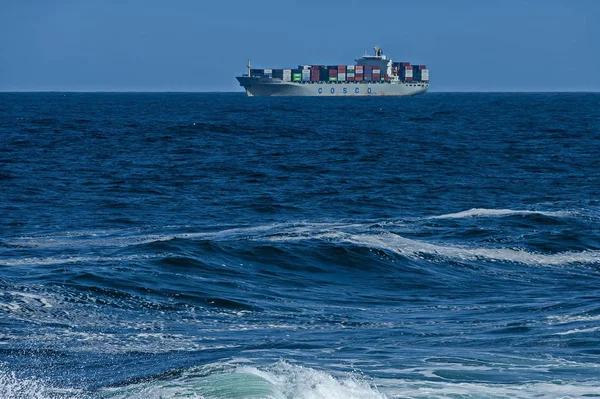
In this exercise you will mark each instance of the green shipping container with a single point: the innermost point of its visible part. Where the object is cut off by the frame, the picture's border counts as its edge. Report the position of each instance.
(332, 79)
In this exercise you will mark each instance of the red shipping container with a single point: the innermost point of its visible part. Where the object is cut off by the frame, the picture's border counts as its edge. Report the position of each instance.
(408, 79)
(358, 78)
(368, 68)
(359, 68)
(333, 73)
(350, 79)
(342, 69)
(422, 67)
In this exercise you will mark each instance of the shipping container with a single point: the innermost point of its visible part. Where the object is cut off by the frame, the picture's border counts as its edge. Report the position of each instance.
(350, 78)
(342, 68)
(323, 73)
(350, 68)
(332, 79)
(358, 78)
(368, 78)
(257, 72)
(341, 77)
(350, 74)
(333, 72)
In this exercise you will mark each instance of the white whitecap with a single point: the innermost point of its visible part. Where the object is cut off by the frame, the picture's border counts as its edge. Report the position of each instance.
(580, 331)
(483, 212)
(415, 249)
(59, 260)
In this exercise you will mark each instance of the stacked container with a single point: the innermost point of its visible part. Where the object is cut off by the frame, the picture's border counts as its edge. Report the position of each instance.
(333, 75)
(341, 73)
(287, 75)
(368, 73)
(350, 73)
(268, 73)
(406, 73)
(306, 75)
(296, 75)
(278, 74)
(376, 74)
(359, 73)
(315, 73)
(425, 75)
(323, 74)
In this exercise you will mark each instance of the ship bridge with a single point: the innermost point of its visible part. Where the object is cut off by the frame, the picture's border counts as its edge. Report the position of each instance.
(376, 60)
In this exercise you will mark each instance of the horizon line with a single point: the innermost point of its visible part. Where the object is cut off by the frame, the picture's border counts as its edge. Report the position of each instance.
(242, 92)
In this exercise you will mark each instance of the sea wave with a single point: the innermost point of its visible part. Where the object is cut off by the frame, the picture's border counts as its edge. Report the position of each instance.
(14, 387)
(59, 260)
(280, 381)
(483, 212)
(417, 248)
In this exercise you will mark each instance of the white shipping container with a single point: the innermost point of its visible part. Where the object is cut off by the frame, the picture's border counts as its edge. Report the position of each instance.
(287, 78)
(408, 73)
(288, 71)
(267, 71)
(341, 76)
(350, 67)
(350, 74)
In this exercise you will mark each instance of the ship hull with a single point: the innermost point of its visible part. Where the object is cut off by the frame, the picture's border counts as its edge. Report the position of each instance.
(268, 87)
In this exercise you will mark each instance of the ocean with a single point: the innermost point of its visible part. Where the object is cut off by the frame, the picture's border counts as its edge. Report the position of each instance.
(184, 245)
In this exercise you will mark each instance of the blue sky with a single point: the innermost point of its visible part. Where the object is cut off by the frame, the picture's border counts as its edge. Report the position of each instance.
(201, 45)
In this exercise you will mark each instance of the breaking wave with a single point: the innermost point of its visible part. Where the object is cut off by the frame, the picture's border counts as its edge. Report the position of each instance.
(482, 212)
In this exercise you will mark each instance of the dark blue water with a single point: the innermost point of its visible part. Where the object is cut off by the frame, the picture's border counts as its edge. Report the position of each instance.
(218, 246)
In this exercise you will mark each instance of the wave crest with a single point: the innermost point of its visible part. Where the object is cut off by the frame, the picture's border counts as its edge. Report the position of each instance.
(483, 212)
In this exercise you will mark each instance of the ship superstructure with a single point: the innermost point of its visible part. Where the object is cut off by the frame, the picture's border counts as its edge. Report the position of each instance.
(371, 75)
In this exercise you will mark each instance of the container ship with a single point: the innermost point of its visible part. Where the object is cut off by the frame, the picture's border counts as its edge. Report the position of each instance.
(372, 75)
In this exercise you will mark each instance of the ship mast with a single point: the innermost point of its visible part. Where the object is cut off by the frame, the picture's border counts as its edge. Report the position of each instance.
(249, 67)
